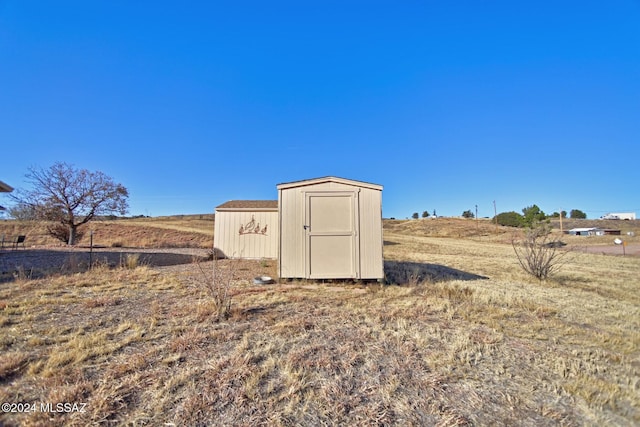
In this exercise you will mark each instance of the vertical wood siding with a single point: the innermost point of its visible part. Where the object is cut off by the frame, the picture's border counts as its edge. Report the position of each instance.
(250, 244)
(291, 262)
(371, 263)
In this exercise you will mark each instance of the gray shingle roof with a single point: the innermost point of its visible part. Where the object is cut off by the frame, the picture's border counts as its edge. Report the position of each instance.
(249, 205)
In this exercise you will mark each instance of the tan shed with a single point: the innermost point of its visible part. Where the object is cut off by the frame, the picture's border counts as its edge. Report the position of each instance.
(330, 228)
(247, 229)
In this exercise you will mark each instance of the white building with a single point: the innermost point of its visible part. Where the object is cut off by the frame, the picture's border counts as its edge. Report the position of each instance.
(587, 231)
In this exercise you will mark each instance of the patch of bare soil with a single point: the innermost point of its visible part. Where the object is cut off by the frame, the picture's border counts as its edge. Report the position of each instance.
(632, 249)
(190, 264)
(34, 263)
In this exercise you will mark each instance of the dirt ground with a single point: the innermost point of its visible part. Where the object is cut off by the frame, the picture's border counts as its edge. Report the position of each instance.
(629, 250)
(35, 263)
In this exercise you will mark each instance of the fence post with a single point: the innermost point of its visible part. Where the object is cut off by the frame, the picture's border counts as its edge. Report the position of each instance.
(90, 249)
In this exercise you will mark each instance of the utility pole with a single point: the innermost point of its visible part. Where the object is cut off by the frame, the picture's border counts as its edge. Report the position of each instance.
(477, 225)
(561, 229)
(495, 215)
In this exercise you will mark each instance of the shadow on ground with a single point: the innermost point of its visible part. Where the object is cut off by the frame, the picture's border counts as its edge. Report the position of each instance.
(37, 263)
(404, 272)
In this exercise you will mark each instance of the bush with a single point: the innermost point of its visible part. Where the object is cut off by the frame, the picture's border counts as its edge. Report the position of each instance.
(532, 215)
(509, 219)
(468, 214)
(537, 253)
(217, 285)
(578, 214)
(131, 261)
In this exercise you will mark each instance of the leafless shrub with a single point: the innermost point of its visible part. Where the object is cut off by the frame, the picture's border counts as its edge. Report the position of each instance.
(22, 275)
(217, 284)
(538, 252)
(73, 264)
(130, 261)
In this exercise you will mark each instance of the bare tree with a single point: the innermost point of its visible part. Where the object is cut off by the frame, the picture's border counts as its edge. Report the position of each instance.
(71, 197)
(538, 253)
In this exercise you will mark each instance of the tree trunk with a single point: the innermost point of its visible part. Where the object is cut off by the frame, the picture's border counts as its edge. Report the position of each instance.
(72, 235)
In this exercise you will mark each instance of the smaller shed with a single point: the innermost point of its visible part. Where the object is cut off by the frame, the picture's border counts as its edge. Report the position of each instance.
(330, 228)
(247, 229)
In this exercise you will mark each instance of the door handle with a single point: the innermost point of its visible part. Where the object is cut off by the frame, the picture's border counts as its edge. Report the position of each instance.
(306, 227)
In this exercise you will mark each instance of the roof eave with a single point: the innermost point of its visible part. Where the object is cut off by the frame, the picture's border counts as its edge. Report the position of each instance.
(247, 209)
(5, 188)
(248, 205)
(323, 179)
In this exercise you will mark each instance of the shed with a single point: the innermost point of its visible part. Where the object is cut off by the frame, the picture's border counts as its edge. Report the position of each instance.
(330, 228)
(247, 229)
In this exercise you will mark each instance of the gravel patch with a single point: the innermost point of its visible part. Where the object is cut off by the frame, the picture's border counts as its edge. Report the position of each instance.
(37, 262)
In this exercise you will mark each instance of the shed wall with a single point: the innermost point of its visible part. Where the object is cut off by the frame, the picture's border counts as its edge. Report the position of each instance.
(255, 241)
(371, 240)
(291, 244)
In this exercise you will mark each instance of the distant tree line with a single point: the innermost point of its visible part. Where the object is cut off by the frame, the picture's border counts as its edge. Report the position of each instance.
(425, 214)
(532, 215)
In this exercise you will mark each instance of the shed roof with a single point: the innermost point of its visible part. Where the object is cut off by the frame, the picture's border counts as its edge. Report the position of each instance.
(582, 229)
(249, 205)
(328, 179)
(5, 188)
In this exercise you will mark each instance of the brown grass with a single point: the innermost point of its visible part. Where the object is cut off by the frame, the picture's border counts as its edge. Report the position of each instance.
(471, 341)
(166, 232)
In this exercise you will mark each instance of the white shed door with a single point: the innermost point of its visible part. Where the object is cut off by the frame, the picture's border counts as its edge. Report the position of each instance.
(331, 235)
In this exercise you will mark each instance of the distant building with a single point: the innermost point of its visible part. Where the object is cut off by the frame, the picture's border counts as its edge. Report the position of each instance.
(4, 188)
(620, 215)
(587, 231)
(613, 232)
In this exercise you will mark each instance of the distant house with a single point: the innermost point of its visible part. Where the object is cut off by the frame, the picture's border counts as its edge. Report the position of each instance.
(620, 215)
(5, 188)
(590, 231)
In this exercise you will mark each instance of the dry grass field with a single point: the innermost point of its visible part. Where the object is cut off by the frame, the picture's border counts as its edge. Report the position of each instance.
(466, 339)
(163, 232)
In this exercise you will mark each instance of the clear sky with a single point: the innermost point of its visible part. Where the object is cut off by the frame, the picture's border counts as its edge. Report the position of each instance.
(446, 104)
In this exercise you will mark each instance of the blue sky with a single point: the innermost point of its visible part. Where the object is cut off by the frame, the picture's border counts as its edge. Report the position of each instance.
(448, 105)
